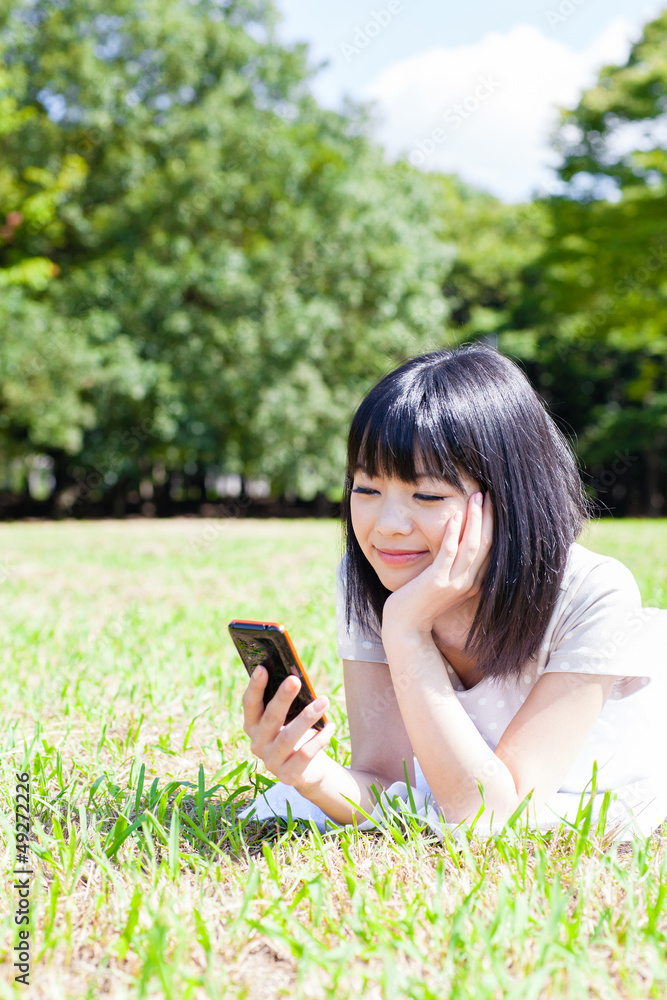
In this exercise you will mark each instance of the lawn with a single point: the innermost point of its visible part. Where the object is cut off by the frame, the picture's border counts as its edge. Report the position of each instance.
(121, 698)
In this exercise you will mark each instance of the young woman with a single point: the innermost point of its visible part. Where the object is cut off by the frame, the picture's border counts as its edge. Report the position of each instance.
(477, 635)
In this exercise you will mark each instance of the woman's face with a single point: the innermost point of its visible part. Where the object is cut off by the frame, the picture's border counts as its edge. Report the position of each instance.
(400, 526)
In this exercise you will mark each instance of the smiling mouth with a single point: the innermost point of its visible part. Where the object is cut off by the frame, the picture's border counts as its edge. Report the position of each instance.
(398, 557)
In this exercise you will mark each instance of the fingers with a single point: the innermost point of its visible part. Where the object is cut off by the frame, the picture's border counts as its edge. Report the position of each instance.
(489, 521)
(482, 560)
(309, 735)
(469, 542)
(475, 540)
(253, 699)
(474, 521)
(299, 737)
(272, 717)
(450, 540)
(310, 745)
(293, 732)
(460, 544)
(266, 725)
(286, 750)
(278, 707)
(298, 763)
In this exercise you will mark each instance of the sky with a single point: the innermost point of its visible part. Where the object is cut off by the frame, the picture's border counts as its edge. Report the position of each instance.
(472, 88)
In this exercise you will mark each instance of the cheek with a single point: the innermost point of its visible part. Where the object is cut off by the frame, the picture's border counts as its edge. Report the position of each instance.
(439, 526)
(359, 525)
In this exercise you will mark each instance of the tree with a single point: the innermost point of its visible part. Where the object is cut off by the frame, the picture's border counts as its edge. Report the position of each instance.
(243, 262)
(494, 245)
(41, 369)
(594, 310)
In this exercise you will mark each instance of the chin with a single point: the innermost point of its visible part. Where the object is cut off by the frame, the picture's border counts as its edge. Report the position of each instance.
(394, 580)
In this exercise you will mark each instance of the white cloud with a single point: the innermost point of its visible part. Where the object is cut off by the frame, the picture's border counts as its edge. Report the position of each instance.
(435, 110)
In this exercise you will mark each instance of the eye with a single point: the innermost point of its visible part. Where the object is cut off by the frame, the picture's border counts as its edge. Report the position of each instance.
(428, 496)
(364, 490)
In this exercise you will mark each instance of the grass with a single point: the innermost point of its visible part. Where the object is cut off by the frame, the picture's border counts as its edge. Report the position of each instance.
(121, 694)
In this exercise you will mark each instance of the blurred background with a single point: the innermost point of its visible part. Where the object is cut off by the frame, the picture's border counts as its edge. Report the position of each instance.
(222, 222)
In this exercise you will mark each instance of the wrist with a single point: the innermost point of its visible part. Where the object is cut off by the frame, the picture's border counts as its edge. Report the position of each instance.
(414, 658)
(413, 624)
(316, 775)
(416, 633)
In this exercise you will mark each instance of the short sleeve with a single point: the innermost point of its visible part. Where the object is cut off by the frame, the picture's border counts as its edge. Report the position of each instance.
(603, 629)
(354, 643)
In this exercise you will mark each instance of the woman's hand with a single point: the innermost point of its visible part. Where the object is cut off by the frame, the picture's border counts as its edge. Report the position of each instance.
(449, 588)
(291, 752)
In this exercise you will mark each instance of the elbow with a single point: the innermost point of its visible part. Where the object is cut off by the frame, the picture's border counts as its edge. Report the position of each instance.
(386, 772)
(492, 796)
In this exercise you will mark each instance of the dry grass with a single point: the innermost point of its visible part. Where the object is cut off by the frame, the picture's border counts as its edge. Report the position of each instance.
(115, 655)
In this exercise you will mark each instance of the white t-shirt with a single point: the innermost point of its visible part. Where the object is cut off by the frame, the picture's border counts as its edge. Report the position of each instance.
(598, 626)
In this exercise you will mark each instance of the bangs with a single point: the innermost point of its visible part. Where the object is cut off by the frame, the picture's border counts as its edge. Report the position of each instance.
(404, 439)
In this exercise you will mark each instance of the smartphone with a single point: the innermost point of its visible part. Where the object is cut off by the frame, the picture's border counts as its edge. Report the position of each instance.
(269, 644)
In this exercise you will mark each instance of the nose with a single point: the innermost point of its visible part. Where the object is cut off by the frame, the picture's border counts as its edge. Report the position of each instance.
(393, 519)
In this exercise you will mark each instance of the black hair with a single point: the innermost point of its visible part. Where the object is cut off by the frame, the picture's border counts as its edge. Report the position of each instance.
(472, 410)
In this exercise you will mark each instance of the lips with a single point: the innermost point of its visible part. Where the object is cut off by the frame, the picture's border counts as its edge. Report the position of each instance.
(399, 557)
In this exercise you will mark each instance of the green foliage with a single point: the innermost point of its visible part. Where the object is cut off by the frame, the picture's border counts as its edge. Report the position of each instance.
(242, 262)
(593, 313)
(495, 245)
(614, 133)
(41, 369)
(201, 268)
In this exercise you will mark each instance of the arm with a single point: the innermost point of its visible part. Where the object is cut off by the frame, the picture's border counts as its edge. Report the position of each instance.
(294, 753)
(536, 751)
(451, 752)
(549, 731)
(544, 738)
